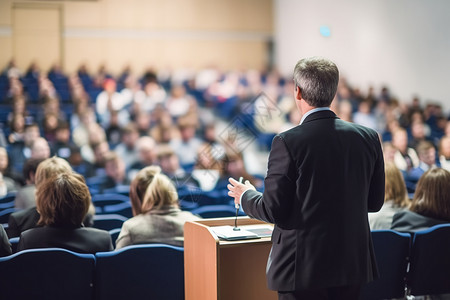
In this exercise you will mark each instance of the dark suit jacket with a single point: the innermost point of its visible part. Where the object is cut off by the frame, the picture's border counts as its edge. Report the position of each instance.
(26, 219)
(80, 240)
(323, 177)
(22, 220)
(409, 221)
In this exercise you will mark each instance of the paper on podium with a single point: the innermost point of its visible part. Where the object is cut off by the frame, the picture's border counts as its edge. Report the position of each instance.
(227, 233)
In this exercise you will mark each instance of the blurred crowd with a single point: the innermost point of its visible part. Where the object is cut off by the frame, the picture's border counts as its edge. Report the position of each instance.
(110, 127)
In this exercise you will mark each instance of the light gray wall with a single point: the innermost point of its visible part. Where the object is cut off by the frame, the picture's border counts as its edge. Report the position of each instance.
(404, 44)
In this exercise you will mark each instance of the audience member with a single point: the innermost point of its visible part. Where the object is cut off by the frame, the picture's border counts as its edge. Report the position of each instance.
(405, 158)
(63, 201)
(9, 180)
(444, 152)
(110, 100)
(395, 198)
(146, 153)
(25, 197)
(188, 145)
(170, 166)
(63, 146)
(139, 185)
(19, 152)
(40, 149)
(28, 218)
(427, 160)
(127, 148)
(115, 172)
(160, 221)
(430, 205)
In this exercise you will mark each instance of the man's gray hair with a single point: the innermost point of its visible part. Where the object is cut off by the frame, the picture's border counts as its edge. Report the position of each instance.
(317, 78)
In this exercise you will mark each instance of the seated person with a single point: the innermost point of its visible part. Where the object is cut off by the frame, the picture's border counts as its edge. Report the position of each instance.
(28, 218)
(146, 154)
(427, 160)
(63, 202)
(395, 198)
(430, 205)
(160, 219)
(115, 172)
(170, 166)
(5, 245)
(25, 196)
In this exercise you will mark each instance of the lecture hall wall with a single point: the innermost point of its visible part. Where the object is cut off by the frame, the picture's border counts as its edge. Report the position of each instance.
(404, 44)
(140, 33)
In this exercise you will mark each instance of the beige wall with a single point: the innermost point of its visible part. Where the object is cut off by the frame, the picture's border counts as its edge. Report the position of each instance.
(157, 33)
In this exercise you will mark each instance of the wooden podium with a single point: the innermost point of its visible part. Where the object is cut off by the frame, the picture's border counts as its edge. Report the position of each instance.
(223, 270)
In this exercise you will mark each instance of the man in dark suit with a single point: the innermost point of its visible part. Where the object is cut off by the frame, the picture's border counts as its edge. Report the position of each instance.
(324, 175)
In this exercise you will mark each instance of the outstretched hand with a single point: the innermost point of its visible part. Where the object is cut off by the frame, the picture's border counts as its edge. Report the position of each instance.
(236, 189)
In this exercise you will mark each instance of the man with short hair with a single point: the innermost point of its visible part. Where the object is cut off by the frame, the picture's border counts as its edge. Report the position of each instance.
(323, 176)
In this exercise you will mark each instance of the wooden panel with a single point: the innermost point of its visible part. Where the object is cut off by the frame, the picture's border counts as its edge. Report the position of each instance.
(36, 35)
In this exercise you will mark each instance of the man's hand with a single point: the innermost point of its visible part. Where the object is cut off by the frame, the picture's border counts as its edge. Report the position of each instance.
(236, 189)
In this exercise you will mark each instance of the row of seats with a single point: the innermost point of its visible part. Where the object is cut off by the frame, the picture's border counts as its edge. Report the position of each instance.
(418, 264)
(136, 272)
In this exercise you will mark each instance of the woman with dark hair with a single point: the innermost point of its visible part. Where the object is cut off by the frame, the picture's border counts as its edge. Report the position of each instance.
(63, 202)
(430, 205)
(159, 218)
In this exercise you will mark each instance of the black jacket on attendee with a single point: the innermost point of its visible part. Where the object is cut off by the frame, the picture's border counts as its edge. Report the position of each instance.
(79, 239)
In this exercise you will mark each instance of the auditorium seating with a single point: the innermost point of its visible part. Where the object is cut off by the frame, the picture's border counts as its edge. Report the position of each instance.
(108, 221)
(4, 214)
(429, 272)
(140, 272)
(50, 274)
(392, 252)
(216, 211)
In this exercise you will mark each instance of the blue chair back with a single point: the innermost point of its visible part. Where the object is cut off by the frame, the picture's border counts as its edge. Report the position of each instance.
(14, 242)
(138, 272)
(50, 274)
(8, 197)
(109, 221)
(429, 271)
(392, 252)
(216, 211)
(123, 209)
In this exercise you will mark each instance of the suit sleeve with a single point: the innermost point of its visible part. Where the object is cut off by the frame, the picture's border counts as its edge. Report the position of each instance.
(275, 204)
(377, 184)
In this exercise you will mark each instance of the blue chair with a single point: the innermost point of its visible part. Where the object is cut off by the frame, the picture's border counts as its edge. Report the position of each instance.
(114, 233)
(216, 211)
(392, 252)
(123, 209)
(109, 221)
(102, 200)
(14, 242)
(120, 189)
(429, 272)
(50, 274)
(8, 197)
(151, 271)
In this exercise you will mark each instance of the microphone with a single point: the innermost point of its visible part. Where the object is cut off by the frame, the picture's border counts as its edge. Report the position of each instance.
(236, 205)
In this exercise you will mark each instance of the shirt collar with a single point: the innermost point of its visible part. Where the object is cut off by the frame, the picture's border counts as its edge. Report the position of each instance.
(311, 112)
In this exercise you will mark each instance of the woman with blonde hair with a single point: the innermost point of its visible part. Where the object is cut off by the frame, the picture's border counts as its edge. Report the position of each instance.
(430, 205)
(158, 219)
(395, 198)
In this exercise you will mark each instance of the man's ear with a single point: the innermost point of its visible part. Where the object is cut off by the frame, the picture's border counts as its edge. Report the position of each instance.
(298, 93)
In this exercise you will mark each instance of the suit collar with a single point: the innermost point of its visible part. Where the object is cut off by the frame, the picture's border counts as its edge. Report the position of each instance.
(324, 114)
